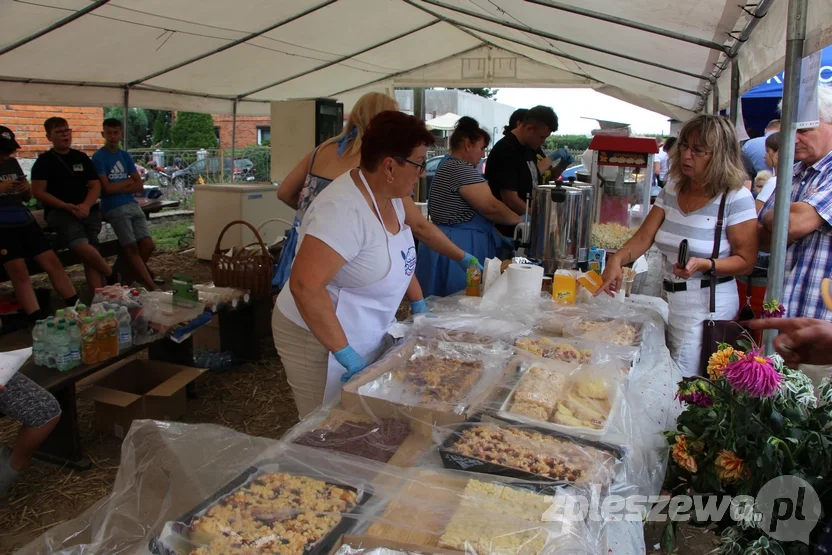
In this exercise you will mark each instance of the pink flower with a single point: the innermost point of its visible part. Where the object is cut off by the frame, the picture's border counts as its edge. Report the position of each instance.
(753, 374)
(773, 309)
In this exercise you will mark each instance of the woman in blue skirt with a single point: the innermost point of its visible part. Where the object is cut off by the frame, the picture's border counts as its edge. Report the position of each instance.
(462, 206)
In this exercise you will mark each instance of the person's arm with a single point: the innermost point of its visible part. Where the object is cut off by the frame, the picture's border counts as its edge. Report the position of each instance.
(744, 248)
(479, 196)
(291, 186)
(637, 245)
(759, 204)
(513, 201)
(428, 233)
(803, 220)
(801, 340)
(93, 191)
(24, 188)
(316, 263)
(39, 192)
(764, 237)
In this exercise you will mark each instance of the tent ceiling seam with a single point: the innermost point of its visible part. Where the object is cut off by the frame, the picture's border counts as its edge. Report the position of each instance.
(340, 60)
(557, 38)
(57, 25)
(232, 44)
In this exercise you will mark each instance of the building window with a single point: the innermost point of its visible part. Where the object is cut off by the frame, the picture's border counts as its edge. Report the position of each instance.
(217, 133)
(264, 135)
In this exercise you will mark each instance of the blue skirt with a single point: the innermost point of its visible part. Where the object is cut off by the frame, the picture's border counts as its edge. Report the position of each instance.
(441, 276)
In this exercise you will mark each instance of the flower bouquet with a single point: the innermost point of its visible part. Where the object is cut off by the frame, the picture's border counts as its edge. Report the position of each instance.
(751, 420)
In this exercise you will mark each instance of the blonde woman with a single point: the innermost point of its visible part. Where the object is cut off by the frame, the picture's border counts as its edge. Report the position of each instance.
(332, 159)
(705, 165)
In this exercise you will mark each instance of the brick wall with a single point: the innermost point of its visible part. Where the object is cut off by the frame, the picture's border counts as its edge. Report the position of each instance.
(246, 129)
(27, 124)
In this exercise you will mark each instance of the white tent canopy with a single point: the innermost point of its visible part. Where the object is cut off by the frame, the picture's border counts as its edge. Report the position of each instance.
(445, 122)
(207, 55)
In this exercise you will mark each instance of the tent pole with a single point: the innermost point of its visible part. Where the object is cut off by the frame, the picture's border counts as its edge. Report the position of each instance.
(233, 137)
(795, 36)
(735, 90)
(124, 117)
(419, 112)
(715, 93)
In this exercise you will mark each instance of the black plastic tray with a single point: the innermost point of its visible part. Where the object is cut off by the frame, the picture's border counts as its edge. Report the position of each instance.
(322, 547)
(456, 461)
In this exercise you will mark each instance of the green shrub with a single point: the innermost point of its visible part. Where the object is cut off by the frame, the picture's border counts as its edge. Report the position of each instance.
(192, 130)
(261, 156)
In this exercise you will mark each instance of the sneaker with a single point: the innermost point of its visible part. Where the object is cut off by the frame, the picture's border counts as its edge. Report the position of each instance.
(7, 475)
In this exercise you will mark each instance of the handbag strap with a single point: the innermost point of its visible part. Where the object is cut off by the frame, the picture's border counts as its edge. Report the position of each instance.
(717, 241)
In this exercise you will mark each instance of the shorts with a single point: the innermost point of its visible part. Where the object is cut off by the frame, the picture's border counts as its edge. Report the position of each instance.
(73, 231)
(28, 403)
(129, 223)
(22, 241)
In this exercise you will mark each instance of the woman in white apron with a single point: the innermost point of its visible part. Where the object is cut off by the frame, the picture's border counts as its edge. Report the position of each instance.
(705, 166)
(355, 262)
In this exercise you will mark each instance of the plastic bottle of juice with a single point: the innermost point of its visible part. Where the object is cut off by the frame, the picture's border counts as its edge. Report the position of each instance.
(63, 353)
(102, 334)
(49, 338)
(75, 343)
(112, 334)
(125, 330)
(473, 279)
(89, 341)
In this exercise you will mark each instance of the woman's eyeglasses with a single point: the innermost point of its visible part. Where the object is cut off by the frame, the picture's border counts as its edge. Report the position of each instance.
(696, 149)
(422, 167)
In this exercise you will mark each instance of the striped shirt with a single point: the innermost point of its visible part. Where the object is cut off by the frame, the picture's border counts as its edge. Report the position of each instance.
(698, 227)
(809, 260)
(445, 205)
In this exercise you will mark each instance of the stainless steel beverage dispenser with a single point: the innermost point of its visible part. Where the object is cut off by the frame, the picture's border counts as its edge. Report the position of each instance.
(586, 213)
(554, 227)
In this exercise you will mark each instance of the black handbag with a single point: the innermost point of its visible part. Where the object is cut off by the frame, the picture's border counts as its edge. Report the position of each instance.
(720, 331)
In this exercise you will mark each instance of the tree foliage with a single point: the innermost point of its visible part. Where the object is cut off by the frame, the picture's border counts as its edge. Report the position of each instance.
(261, 156)
(572, 142)
(160, 123)
(193, 130)
(138, 133)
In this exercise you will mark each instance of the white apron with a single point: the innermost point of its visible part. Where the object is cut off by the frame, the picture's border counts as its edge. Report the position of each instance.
(366, 313)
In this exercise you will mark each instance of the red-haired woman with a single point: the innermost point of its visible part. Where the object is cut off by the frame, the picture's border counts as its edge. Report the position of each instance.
(355, 262)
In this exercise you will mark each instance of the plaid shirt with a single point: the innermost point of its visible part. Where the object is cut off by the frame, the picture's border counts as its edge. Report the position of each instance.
(809, 260)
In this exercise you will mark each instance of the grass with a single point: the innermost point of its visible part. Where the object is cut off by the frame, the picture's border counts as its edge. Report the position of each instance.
(168, 237)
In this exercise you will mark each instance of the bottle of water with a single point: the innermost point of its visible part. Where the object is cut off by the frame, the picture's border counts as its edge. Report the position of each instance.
(125, 330)
(75, 343)
(49, 344)
(63, 352)
(39, 343)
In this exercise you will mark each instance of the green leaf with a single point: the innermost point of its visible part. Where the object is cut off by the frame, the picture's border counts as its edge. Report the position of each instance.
(745, 345)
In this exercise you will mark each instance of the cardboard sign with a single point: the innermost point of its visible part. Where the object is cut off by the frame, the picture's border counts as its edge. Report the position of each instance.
(807, 100)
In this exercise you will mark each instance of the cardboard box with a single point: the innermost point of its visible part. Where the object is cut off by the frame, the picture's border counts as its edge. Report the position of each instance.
(140, 389)
(369, 542)
(422, 419)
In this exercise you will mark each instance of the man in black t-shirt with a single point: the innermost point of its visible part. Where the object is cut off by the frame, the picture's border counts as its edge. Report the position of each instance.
(21, 237)
(511, 168)
(65, 181)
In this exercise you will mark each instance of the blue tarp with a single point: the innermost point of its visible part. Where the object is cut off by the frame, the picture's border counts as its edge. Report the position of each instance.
(759, 105)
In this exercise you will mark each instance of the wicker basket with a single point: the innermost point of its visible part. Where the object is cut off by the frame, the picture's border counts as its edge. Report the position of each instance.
(246, 269)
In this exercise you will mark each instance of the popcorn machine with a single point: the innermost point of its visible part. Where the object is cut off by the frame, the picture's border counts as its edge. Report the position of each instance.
(622, 173)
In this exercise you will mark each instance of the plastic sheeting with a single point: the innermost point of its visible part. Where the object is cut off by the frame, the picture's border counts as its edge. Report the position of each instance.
(204, 56)
(410, 464)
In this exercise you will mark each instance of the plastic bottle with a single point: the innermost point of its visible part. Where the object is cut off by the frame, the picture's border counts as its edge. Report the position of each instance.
(39, 342)
(49, 340)
(473, 279)
(106, 329)
(82, 312)
(89, 341)
(75, 343)
(125, 330)
(63, 352)
(99, 296)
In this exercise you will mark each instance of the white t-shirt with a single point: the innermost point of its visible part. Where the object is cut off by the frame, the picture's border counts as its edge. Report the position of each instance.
(698, 226)
(767, 190)
(341, 218)
(662, 159)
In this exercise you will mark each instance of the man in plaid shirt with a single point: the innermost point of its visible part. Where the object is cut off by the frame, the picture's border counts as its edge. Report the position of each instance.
(809, 255)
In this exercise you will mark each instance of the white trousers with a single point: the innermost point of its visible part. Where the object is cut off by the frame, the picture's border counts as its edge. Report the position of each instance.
(688, 311)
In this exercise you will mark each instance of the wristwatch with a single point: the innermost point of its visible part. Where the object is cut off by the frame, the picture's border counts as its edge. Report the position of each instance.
(712, 271)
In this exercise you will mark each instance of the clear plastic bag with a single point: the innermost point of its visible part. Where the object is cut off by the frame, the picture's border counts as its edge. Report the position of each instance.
(467, 328)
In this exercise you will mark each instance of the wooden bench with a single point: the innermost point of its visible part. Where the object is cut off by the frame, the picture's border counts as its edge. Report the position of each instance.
(107, 248)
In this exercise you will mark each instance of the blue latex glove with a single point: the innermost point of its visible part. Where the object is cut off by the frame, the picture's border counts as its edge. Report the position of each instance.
(508, 242)
(565, 158)
(352, 361)
(419, 307)
(466, 262)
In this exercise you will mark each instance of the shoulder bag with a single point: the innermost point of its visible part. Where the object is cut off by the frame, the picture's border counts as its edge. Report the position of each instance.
(720, 331)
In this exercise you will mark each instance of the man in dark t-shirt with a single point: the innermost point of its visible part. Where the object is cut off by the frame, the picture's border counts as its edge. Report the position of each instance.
(65, 181)
(511, 169)
(21, 237)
